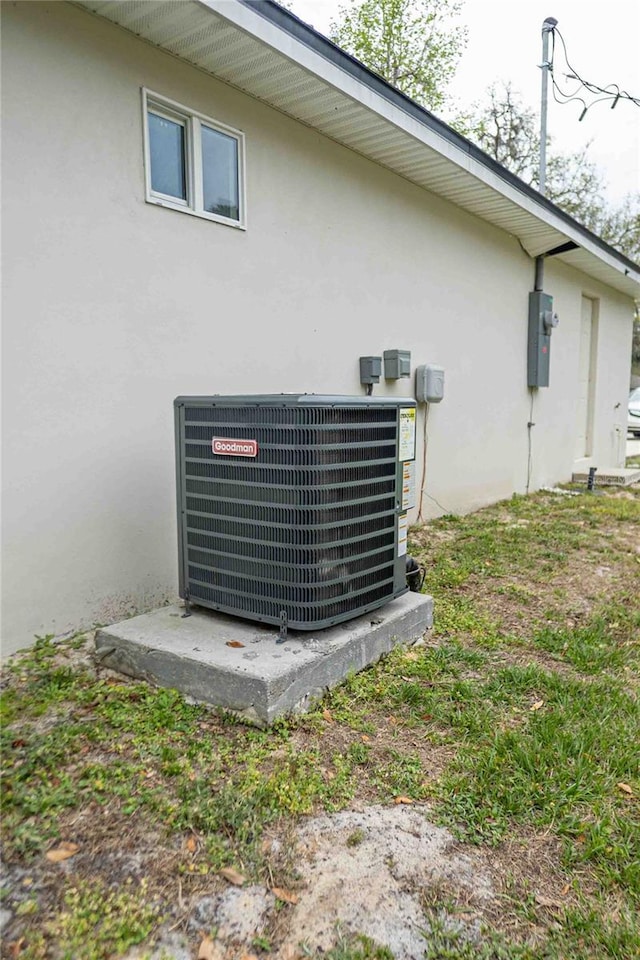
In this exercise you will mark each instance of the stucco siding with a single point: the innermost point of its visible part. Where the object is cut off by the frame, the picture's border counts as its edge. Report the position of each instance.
(112, 306)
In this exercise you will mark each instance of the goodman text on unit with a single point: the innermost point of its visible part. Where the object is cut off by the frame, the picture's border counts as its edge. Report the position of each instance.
(229, 447)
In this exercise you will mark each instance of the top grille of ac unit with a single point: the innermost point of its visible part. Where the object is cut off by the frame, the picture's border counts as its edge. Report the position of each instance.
(307, 529)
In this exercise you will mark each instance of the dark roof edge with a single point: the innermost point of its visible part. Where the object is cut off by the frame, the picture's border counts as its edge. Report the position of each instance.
(297, 28)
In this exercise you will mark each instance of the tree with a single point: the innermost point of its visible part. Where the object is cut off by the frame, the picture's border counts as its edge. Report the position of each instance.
(504, 129)
(415, 46)
(508, 131)
(621, 228)
(411, 43)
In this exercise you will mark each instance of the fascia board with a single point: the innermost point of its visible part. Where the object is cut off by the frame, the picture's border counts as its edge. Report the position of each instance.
(270, 34)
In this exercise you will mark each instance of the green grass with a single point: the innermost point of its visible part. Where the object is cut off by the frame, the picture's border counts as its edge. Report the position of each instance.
(356, 947)
(558, 767)
(609, 640)
(527, 692)
(95, 922)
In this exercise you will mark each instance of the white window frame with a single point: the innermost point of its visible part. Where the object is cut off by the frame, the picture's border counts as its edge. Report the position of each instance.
(192, 122)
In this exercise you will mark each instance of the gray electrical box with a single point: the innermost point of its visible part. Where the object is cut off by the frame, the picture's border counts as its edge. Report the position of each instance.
(429, 383)
(370, 369)
(542, 320)
(397, 364)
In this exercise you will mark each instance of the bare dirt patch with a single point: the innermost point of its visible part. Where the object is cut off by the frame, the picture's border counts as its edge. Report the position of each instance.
(367, 873)
(390, 874)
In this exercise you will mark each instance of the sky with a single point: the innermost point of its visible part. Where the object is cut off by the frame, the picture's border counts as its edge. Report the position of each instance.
(504, 44)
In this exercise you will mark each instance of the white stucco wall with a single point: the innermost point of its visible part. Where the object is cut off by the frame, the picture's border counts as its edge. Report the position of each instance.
(111, 307)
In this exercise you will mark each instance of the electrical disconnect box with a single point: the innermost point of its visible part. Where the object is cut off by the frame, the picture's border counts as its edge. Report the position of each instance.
(397, 364)
(429, 383)
(370, 369)
(542, 321)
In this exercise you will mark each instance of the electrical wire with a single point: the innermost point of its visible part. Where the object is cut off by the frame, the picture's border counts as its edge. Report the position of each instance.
(530, 426)
(423, 494)
(555, 88)
(594, 87)
(425, 438)
(438, 504)
(611, 92)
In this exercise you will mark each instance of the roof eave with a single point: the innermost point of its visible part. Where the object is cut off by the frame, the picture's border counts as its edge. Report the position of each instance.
(269, 53)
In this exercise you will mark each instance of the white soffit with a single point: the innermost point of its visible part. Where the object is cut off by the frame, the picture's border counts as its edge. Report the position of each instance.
(236, 44)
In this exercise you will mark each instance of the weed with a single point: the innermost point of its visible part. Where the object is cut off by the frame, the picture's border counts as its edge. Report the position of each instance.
(356, 837)
(356, 947)
(95, 923)
(262, 943)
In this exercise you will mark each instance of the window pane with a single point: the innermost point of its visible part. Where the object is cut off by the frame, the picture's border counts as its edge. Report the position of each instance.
(220, 173)
(167, 148)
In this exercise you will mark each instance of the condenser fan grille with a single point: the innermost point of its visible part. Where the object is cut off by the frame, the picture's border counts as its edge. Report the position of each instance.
(305, 526)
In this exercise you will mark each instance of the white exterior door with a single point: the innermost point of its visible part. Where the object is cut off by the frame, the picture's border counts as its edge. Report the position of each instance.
(586, 380)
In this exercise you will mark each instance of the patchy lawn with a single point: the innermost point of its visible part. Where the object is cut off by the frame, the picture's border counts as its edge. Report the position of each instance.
(512, 733)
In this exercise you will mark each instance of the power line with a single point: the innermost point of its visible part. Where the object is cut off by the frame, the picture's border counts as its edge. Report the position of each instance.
(611, 92)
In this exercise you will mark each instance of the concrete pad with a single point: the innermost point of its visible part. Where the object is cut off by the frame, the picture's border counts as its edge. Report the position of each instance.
(610, 476)
(257, 678)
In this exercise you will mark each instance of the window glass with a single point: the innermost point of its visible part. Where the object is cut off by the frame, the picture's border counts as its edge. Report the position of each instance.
(220, 173)
(167, 149)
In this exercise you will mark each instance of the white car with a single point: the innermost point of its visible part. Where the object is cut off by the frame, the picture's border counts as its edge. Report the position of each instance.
(633, 425)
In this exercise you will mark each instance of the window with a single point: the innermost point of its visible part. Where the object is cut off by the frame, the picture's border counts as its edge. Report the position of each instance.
(193, 163)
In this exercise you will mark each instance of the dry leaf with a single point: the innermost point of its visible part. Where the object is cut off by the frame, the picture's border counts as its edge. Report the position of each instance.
(625, 788)
(15, 948)
(233, 876)
(327, 716)
(208, 950)
(234, 643)
(286, 895)
(403, 800)
(289, 952)
(565, 889)
(63, 852)
(537, 705)
(191, 844)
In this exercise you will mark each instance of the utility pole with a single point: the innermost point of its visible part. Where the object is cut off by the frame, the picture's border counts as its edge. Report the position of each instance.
(545, 66)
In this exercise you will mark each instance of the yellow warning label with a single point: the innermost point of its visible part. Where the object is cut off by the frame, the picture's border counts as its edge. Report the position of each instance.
(407, 440)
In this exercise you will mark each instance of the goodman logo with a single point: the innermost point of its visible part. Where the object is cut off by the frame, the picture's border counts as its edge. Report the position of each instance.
(234, 448)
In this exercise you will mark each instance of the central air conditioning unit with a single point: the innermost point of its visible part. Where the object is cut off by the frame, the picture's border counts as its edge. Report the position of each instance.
(292, 509)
